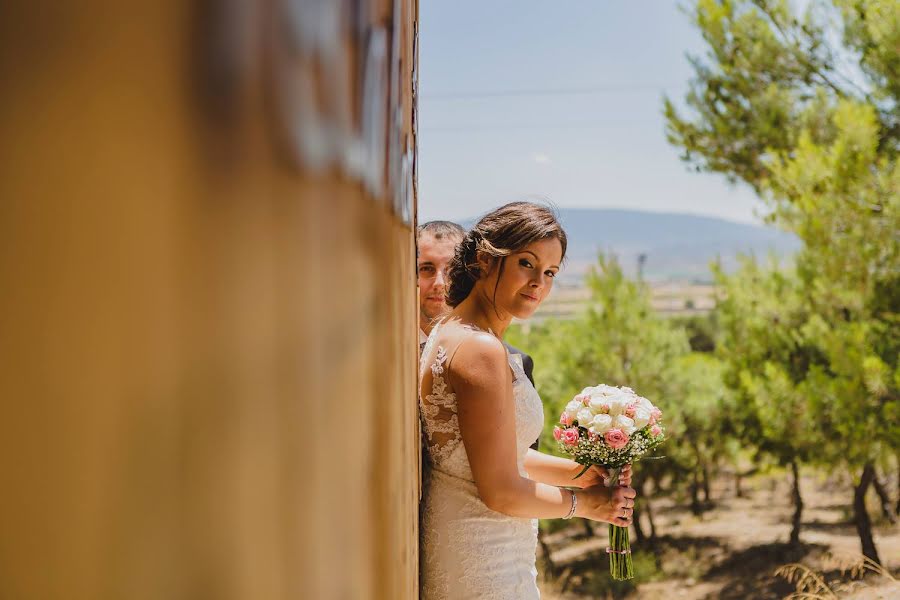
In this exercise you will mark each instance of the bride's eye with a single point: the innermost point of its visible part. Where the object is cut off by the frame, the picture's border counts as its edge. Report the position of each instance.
(525, 263)
(551, 273)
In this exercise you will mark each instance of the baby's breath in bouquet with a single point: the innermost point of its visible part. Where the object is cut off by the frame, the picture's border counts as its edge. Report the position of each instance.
(610, 427)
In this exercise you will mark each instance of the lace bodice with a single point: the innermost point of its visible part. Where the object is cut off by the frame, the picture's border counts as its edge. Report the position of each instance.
(439, 412)
(470, 552)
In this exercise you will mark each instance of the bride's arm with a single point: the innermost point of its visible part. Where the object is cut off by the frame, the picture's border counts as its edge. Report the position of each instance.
(554, 470)
(479, 374)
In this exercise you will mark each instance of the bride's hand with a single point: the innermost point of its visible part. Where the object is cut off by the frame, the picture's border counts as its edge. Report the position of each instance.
(597, 475)
(610, 505)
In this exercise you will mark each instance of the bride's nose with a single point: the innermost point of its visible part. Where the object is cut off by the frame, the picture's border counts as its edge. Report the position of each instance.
(539, 280)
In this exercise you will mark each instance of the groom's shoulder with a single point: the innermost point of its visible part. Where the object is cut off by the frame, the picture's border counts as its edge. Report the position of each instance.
(513, 350)
(527, 362)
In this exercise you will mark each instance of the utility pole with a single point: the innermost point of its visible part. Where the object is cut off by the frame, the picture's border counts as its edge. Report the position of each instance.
(642, 260)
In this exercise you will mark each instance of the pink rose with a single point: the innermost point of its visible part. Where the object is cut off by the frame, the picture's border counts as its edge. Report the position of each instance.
(656, 414)
(566, 419)
(604, 409)
(629, 410)
(656, 431)
(557, 432)
(569, 436)
(583, 398)
(616, 438)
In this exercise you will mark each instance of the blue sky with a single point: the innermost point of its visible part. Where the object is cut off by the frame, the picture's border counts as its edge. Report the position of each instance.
(493, 127)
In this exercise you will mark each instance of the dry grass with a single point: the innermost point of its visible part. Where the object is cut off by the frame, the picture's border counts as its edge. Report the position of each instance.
(733, 550)
(811, 585)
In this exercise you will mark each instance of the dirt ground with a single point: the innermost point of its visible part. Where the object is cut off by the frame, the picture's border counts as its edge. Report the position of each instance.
(733, 548)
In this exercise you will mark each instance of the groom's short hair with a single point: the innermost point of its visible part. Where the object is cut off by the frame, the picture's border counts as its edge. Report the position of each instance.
(442, 229)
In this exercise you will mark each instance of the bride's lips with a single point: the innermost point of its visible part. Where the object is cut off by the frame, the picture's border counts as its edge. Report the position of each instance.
(531, 298)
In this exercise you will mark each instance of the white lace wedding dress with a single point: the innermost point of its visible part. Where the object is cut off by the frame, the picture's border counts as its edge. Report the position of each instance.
(468, 550)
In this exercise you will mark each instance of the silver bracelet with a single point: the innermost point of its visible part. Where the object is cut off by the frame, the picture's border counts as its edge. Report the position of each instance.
(574, 505)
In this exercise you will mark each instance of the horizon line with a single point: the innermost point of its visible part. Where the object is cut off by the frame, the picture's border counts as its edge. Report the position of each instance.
(756, 223)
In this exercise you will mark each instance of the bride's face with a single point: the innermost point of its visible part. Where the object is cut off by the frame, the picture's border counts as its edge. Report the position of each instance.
(526, 280)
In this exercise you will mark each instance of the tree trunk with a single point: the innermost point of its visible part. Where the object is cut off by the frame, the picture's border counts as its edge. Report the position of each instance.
(695, 496)
(861, 517)
(588, 529)
(638, 485)
(738, 491)
(648, 508)
(798, 505)
(639, 536)
(897, 508)
(882, 492)
(705, 483)
(545, 550)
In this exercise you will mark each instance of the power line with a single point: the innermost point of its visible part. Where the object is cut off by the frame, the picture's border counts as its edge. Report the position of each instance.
(512, 127)
(605, 89)
(516, 127)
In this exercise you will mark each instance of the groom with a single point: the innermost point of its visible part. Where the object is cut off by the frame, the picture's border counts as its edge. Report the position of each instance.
(436, 242)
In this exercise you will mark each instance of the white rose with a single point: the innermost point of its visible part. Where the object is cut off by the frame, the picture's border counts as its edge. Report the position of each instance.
(644, 403)
(573, 407)
(603, 390)
(641, 417)
(618, 404)
(597, 403)
(625, 424)
(585, 417)
(601, 424)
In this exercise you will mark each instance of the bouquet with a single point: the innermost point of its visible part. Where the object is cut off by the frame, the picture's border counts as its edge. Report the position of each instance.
(610, 427)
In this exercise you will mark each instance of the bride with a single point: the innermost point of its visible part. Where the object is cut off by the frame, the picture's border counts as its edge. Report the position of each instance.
(487, 488)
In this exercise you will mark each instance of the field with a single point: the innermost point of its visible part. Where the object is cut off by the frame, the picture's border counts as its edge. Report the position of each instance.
(732, 549)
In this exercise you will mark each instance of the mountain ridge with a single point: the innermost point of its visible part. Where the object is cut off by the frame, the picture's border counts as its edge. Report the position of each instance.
(676, 246)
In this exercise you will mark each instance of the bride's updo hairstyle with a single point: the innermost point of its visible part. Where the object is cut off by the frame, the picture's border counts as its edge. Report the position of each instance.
(499, 233)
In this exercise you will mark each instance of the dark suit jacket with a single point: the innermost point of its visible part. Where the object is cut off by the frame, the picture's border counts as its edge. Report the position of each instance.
(528, 366)
(527, 362)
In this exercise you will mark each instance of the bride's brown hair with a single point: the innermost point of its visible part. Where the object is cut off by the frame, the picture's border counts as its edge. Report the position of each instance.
(498, 234)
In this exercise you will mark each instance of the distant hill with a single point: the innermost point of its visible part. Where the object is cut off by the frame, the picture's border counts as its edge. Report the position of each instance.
(677, 246)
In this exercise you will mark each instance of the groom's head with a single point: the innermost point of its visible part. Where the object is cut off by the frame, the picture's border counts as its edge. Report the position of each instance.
(436, 242)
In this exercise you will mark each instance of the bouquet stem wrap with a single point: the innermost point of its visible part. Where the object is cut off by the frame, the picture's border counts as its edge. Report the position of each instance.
(619, 549)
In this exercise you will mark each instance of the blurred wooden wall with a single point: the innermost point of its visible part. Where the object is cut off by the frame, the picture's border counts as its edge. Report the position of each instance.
(207, 302)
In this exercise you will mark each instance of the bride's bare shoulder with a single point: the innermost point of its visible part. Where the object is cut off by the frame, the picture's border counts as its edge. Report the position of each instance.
(479, 355)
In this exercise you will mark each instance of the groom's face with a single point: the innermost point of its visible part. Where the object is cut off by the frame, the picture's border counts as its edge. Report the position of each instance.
(431, 265)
